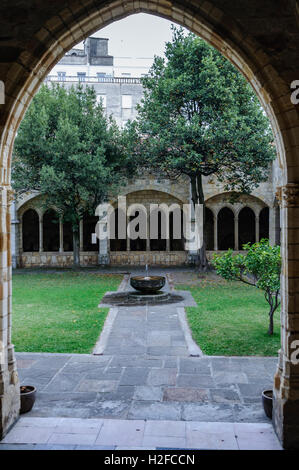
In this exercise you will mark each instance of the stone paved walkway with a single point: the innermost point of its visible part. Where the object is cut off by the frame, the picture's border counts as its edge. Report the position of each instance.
(146, 374)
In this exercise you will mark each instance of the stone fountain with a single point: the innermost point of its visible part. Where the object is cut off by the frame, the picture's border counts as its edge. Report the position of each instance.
(147, 291)
(148, 288)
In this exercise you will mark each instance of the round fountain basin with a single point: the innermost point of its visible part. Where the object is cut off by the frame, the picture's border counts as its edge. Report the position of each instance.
(147, 284)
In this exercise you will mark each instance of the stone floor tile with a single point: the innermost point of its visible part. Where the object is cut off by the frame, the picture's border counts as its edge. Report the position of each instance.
(251, 413)
(253, 441)
(226, 377)
(64, 383)
(146, 392)
(73, 438)
(162, 377)
(134, 376)
(210, 441)
(186, 395)
(48, 422)
(121, 433)
(165, 428)
(207, 412)
(91, 385)
(79, 426)
(155, 411)
(195, 381)
(210, 427)
(224, 395)
(28, 435)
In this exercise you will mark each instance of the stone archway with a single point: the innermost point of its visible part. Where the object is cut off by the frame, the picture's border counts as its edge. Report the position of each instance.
(30, 48)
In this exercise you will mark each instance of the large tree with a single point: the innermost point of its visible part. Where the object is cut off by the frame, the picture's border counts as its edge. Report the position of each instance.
(199, 117)
(70, 152)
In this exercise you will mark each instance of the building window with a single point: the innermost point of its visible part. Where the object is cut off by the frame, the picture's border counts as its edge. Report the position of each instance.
(102, 99)
(81, 76)
(126, 101)
(61, 76)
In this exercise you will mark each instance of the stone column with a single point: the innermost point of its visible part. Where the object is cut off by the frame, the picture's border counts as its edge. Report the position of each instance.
(9, 383)
(286, 380)
(215, 233)
(236, 222)
(272, 225)
(15, 235)
(60, 236)
(41, 237)
(257, 228)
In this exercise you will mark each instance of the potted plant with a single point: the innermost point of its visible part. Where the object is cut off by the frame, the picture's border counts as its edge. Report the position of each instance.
(28, 393)
(267, 399)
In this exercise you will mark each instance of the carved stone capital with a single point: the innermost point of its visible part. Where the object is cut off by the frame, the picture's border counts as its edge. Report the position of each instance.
(288, 196)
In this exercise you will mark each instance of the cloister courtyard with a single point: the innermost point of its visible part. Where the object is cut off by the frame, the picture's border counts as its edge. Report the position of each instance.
(217, 131)
(183, 375)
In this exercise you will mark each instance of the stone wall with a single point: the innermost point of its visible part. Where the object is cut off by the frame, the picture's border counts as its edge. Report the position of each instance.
(141, 258)
(56, 259)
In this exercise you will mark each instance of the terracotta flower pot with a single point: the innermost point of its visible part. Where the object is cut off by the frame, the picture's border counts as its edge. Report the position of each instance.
(267, 399)
(28, 393)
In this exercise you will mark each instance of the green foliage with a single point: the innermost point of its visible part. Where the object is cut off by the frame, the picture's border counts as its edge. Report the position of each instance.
(68, 150)
(200, 117)
(260, 266)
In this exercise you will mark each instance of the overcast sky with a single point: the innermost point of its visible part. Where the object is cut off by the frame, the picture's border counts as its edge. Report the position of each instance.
(138, 35)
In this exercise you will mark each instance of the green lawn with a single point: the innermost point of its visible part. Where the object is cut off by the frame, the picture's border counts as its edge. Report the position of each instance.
(231, 319)
(58, 312)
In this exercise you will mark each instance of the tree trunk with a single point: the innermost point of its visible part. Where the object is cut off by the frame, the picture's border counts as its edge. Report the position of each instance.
(271, 322)
(197, 196)
(76, 246)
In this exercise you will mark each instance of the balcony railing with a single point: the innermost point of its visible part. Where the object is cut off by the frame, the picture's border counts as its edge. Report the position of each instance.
(75, 79)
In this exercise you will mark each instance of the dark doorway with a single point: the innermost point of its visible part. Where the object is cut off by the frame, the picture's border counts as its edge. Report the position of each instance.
(226, 233)
(89, 227)
(264, 223)
(30, 230)
(50, 231)
(246, 227)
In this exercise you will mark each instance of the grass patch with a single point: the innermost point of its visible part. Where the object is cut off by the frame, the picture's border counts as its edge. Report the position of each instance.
(231, 319)
(59, 312)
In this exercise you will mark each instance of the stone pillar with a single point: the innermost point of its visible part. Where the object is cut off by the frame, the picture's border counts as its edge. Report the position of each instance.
(9, 383)
(286, 380)
(15, 235)
(60, 236)
(41, 238)
(236, 222)
(272, 224)
(257, 228)
(215, 233)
